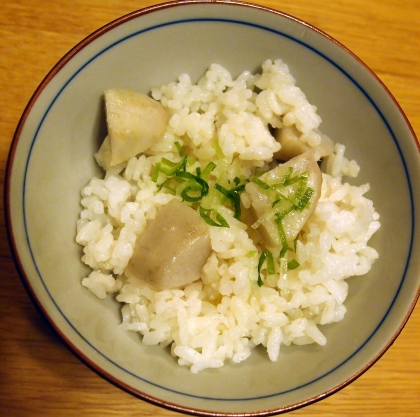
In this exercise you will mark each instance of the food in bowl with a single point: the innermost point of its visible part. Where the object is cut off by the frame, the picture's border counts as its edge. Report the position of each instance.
(233, 228)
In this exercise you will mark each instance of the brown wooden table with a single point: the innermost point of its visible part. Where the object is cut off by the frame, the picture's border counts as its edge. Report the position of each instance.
(38, 374)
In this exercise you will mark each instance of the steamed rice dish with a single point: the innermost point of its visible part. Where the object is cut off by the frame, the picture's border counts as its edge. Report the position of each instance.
(225, 135)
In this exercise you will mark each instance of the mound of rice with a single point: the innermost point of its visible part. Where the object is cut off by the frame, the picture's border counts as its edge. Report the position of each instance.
(224, 315)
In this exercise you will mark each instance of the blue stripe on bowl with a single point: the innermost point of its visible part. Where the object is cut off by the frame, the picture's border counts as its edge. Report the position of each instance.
(279, 33)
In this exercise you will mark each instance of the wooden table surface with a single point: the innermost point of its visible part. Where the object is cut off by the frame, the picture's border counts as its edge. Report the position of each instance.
(38, 374)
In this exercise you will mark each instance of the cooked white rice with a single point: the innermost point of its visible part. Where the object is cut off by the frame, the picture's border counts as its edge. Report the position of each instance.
(224, 315)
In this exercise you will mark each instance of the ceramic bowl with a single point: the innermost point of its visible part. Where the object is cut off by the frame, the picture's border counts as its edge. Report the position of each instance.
(51, 160)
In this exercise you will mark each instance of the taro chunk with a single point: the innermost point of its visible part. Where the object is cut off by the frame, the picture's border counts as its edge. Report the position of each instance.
(291, 145)
(135, 122)
(173, 249)
(283, 199)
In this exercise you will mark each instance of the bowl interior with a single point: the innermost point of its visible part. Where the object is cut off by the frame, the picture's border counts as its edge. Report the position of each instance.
(53, 160)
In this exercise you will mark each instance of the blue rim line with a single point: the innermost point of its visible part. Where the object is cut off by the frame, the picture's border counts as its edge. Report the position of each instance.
(277, 33)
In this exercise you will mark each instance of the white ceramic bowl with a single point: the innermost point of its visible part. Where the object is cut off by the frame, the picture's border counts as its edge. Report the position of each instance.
(51, 159)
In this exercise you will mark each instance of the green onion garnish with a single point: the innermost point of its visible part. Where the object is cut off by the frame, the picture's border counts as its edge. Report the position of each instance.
(222, 189)
(271, 270)
(179, 147)
(301, 177)
(288, 175)
(263, 257)
(283, 214)
(155, 173)
(260, 183)
(295, 243)
(195, 184)
(206, 217)
(276, 202)
(293, 264)
(283, 238)
(207, 170)
(301, 189)
(234, 197)
(303, 202)
(168, 167)
(219, 152)
(167, 185)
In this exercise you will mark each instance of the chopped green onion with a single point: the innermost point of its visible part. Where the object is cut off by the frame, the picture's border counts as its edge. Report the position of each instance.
(288, 175)
(283, 251)
(263, 257)
(155, 173)
(236, 202)
(303, 202)
(195, 184)
(222, 189)
(276, 202)
(295, 243)
(283, 238)
(283, 214)
(207, 170)
(301, 177)
(222, 221)
(179, 147)
(260, 183)
(301, 189)
(166, 184)
(219, 151)
(238, 188)
(170, 168)
(271, 270)
(233, 196)
(293, 264)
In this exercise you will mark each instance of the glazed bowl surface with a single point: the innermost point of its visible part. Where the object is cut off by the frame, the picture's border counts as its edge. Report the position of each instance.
(51, 159)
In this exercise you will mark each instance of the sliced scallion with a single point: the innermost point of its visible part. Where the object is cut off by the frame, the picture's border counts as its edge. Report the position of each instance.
(293, 264)
(301, 189)
(283, 238)
(261, 261)
(195, 184)
(260, 183)
(205, 214)
(170, 168)
(302, 177)
(276, 202)
(303, 202)
(155, 173)
(207, 170)
(167, 185)
(287, 176)
(219, 152)
(271, 270)
(179, 147)
(295, 243)
(234, 197)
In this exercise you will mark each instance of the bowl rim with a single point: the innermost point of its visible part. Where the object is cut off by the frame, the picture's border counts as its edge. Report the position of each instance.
(14, 245)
